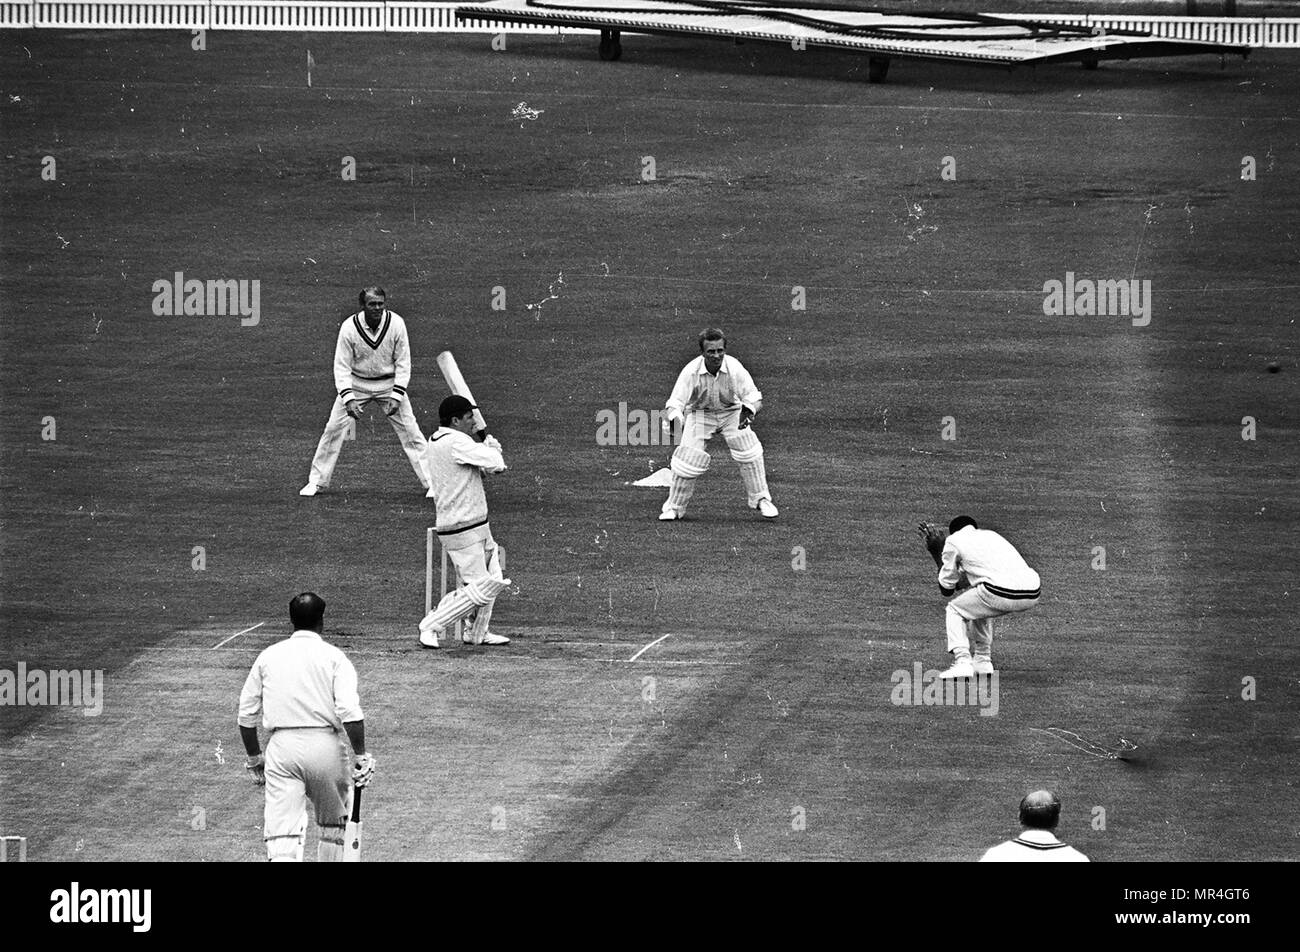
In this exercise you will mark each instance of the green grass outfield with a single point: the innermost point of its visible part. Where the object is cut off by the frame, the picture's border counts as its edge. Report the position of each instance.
(772, 695)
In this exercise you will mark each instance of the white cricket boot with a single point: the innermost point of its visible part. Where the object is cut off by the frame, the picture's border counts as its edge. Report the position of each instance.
(983, 664)
(310, 489)
(488, 639)
(768, 510)
(961, 668)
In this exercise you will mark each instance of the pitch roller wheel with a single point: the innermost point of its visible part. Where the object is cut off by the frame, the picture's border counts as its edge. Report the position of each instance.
(610, 47)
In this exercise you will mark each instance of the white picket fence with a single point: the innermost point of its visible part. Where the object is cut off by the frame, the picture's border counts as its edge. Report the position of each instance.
(403, 16)
(1259, 32)
(307, 16)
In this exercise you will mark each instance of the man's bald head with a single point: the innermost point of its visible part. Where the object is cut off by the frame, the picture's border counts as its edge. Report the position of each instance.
(1040, 810)
(307, 612)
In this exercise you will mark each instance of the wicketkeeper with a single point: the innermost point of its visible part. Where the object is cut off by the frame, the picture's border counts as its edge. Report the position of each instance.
(456, 467)
(715, 394)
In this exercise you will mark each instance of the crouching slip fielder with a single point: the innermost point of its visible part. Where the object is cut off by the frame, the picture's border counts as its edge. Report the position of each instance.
(1001, 583)
(716, 394)
(372, 361)
(456, 467)
(304, 690)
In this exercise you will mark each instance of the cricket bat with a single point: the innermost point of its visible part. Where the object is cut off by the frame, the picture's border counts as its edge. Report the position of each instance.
(352, 835)
(456, 382)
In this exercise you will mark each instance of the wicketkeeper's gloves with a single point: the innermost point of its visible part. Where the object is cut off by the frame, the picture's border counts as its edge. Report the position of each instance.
(256, 766)
(934, 538)
(363, 770)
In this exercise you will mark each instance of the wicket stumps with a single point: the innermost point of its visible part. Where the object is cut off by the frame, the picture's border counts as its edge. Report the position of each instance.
(4, 848)
(448, 568)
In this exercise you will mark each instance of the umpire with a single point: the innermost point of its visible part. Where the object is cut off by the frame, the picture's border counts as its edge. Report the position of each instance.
(304, 691)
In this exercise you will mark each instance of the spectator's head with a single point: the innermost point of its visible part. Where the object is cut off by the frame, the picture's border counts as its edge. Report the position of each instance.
(307, 612)
(961, 522)
(1040, 810)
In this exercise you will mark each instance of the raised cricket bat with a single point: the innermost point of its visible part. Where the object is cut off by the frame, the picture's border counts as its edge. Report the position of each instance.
(352, 835)
(456, 381)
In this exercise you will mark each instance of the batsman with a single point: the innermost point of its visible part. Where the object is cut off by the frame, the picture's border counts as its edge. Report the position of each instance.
(457, 463)
(715, 394)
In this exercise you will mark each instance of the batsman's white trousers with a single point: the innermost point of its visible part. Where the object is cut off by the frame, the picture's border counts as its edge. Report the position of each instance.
(973, 611)
(304, 764)
(336, 430)
(471, 552)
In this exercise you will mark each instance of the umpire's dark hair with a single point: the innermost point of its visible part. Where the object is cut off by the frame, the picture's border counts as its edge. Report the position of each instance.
(961, 522)
(711, 333)
(373, 289)
(307, 612)
(1040, 810)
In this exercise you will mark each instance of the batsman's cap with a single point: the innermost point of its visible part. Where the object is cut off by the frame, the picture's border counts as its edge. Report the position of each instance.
(453, 407)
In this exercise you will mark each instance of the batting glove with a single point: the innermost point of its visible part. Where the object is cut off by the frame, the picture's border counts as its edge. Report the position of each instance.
(354, 409)
(746, 418)
(492, 442)
(363, 770)
(257, 767)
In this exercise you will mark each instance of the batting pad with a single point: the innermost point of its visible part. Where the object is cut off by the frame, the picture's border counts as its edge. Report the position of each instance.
(486, 589)
(744, 445)
(330, 847)
(454, 606)
(689, 463)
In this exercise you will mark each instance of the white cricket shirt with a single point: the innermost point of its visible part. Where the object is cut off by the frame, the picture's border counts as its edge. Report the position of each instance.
(300, 682)
(697, 389)
(1033, 846)
(984, 556)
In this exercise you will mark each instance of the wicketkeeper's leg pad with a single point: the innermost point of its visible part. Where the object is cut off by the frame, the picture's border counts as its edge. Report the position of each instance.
(689, 462)
(747, 451)
(686, 464)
